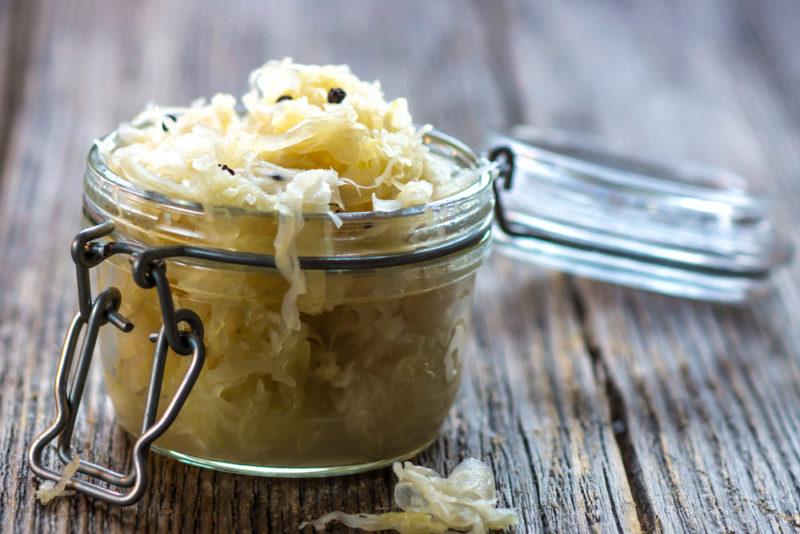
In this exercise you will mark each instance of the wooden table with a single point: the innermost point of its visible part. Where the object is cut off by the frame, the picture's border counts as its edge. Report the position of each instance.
(599, 408)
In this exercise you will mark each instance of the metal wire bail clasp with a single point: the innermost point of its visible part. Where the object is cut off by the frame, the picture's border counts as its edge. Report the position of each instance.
(505, 156)
(71, 374)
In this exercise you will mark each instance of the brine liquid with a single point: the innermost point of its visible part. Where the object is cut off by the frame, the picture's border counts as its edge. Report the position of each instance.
(369, 376)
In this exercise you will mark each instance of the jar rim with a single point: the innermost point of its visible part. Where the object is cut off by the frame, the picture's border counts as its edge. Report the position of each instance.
(427, 230)
(441, 144)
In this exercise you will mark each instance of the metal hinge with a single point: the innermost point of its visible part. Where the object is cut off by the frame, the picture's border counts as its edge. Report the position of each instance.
(148, 271)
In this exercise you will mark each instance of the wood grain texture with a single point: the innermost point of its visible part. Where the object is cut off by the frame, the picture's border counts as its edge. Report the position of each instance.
(600, 408)
(704, 397)
(15, 44)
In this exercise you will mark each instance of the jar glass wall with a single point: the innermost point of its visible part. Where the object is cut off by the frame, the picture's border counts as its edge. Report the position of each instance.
(367, 378)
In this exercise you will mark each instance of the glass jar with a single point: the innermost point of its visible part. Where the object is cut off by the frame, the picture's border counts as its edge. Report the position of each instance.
(374, 365)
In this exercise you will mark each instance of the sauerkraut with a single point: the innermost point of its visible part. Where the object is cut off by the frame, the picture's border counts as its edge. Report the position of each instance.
(49, 490)
(295, 150)
(369, 376)
(466, 501)
(304, 368)
(366, 150)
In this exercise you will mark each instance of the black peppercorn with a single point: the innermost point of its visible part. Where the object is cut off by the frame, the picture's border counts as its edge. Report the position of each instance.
(277, 177)
(164, 124)
(226, 169)
(284, 97)
(336, 95)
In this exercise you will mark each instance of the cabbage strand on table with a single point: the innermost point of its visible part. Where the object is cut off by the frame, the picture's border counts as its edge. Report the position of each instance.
(466, 501)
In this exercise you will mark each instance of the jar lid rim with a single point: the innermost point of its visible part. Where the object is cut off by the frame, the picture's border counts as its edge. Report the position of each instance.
(584, 207)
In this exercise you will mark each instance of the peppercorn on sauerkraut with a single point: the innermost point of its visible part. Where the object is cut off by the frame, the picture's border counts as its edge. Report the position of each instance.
(364, 152)
(304, 368)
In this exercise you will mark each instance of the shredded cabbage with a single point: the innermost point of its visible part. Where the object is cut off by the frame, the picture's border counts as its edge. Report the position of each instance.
(302, 154)
(303, 368)
(49, 490)
(466, 501)
(213, 155)
(370, 374)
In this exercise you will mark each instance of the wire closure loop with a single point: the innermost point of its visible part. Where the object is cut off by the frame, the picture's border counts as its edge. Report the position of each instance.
(149, 270)
(504, 179)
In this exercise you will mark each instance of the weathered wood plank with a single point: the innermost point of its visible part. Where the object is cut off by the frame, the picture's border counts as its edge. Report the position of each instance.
(545, 381)
(704, 397)
(599, 408)
(14, 54)
(546, 430)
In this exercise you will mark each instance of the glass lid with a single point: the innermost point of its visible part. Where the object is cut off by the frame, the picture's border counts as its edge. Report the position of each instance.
(565, 202)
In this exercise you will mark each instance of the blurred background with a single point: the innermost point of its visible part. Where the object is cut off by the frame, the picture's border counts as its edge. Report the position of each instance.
(716, 81)
(710, 80)
(699, 79)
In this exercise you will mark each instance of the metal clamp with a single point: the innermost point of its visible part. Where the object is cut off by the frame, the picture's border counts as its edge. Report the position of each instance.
(148, 271)
(505, 156)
